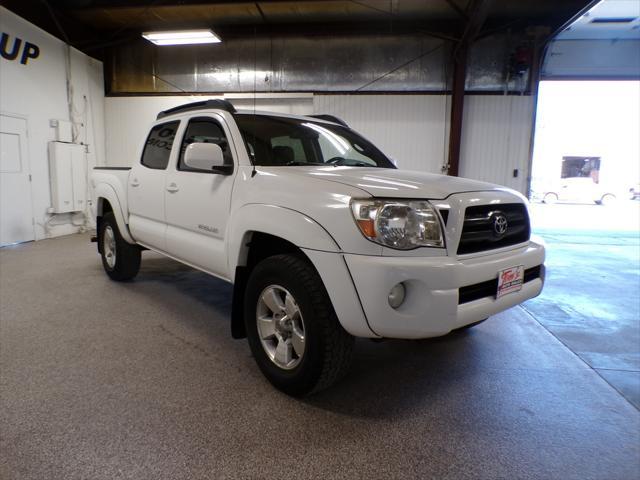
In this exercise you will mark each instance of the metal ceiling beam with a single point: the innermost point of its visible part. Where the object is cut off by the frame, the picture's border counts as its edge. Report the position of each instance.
(459, 10)
(86, 30)
(50, 19)
(477, 14)
(113, 4)
(93, 44)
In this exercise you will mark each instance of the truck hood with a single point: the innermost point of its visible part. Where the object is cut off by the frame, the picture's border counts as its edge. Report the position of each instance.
(387, 182)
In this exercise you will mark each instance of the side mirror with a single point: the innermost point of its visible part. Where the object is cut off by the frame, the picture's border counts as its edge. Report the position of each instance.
(204, 156)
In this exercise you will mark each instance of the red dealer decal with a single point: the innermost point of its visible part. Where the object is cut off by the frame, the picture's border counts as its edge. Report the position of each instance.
(510, 280)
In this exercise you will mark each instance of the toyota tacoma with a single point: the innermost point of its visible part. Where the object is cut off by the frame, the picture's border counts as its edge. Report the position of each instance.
(323, 239)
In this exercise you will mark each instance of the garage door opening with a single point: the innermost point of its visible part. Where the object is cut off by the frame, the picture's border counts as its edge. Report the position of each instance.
(584, 203)
(586, 149)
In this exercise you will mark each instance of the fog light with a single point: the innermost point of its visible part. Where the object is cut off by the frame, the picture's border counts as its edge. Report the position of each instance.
(396, 295)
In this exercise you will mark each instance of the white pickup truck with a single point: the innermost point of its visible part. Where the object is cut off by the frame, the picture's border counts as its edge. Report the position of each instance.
(322, 237)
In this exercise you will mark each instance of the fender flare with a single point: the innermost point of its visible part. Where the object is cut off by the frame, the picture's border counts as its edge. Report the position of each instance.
(315, 242)
(104, 191)
(288, 224)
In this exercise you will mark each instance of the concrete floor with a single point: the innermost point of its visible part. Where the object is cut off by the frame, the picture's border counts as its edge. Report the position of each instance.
(142, 380)
(591, 301)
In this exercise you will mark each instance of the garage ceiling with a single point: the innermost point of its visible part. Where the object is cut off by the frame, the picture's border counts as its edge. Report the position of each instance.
(158, 14)
(608, 20)
(92, 25)
(603, 43)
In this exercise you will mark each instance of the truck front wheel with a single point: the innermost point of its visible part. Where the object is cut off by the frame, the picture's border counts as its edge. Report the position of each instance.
(292, 329)
(120, 259)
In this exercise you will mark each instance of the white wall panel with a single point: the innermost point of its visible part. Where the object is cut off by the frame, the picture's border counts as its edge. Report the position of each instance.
(411, 129)
(496, 139)
(37, 90)
(128, 118)
(127, 121)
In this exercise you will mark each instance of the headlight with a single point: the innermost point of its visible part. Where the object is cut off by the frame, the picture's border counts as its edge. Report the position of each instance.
(401, 224)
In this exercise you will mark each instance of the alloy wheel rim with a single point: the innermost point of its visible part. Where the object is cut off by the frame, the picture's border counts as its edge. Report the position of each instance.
(109, 246)
(280, 327)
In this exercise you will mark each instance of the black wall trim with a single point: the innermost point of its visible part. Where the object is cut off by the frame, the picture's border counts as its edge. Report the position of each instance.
(573, 78)
(337, 92)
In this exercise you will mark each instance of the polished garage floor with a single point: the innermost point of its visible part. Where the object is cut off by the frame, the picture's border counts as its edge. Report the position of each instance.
(101, 380)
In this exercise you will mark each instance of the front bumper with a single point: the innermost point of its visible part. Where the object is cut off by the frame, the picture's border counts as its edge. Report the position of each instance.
(432, 305)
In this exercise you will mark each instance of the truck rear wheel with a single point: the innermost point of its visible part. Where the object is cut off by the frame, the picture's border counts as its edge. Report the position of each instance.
(120, 259)
(294, 334)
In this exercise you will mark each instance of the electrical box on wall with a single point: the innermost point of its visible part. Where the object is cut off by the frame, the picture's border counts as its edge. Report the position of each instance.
(68, 169)
(63, 130)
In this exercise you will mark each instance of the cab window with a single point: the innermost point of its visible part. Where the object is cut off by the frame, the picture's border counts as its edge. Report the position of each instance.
(157, 149)
(204, 130)
(289, 149)
(277, 141)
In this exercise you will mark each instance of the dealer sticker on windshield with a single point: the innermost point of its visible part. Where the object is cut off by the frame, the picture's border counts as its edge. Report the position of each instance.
(510, 280)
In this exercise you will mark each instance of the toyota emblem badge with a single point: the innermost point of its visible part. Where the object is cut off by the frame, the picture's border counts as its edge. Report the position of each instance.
(500, 224)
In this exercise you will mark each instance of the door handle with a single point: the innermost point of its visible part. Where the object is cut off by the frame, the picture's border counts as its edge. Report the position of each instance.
(172, 188)
(135, 183)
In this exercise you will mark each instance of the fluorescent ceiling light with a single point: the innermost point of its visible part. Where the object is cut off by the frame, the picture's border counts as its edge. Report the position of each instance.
(182, 37)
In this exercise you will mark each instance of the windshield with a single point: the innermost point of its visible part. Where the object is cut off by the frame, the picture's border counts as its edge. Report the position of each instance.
(281, 141)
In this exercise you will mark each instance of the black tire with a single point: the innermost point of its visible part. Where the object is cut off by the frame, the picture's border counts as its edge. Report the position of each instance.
(328, 347)
(127, 256)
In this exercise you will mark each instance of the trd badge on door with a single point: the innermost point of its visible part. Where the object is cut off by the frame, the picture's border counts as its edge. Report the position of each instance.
(207, 228)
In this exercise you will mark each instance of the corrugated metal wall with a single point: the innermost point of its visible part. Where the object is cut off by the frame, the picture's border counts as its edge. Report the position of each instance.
(411, 129)
(284, 64)
(319, 64)
(496, 139)
(128, 118)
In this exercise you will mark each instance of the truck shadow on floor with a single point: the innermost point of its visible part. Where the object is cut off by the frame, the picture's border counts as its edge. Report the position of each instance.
(187, 281)
(387, 379)
(393, 378)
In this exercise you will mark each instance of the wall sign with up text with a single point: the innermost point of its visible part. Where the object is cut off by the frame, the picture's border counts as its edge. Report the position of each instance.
(17, 49)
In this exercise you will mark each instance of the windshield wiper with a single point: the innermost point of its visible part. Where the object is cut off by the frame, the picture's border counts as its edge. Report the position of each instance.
(296, 163)
(349, 162)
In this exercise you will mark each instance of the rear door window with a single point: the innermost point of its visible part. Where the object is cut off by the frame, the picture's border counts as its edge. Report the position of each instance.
(157, 149)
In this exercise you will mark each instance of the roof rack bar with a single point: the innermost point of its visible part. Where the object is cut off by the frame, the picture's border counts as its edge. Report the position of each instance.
(330, 118)
(204, 104)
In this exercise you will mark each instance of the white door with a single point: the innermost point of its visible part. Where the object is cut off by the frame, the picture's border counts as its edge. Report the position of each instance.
(197, 202)
(147, 186)
(16, 210)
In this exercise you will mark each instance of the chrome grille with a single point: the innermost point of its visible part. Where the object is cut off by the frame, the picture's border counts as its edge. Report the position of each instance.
(487, 227)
